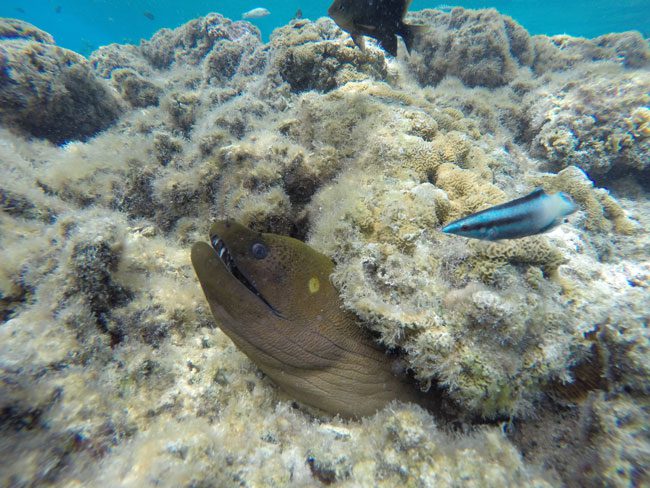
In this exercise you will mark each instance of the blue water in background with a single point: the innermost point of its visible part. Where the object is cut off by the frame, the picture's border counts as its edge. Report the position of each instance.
(84, 25)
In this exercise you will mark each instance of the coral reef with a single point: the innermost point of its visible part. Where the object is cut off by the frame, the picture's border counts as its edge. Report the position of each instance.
(469, 316)
(599, 124)
(112, 370)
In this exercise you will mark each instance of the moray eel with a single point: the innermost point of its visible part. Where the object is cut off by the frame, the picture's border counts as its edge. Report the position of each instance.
(535, 213)
(272, 296)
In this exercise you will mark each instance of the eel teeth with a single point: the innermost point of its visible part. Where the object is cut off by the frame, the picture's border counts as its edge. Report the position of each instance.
(222, 252)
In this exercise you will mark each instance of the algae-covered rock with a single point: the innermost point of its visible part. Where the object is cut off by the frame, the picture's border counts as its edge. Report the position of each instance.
(135, 89)
(481, 47)
(311, 56)
(191, 42)
(600, 124)
(563, 52)
(50, 92)
(106, 59)
(114, 372)
(225, 51)
(19, 29)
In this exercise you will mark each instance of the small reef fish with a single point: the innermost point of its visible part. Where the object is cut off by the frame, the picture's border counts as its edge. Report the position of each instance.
(380, 19)
(256, 13)
(533, 214)
(272, 296)
(149, 15)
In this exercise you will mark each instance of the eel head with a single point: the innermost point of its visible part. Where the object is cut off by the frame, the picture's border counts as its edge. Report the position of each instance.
(272, 296)
(264, 289)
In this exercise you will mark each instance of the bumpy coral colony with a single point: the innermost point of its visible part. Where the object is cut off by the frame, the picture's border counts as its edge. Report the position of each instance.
(112, 368)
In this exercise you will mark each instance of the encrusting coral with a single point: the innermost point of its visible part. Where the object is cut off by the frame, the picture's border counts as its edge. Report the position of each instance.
(111, 368)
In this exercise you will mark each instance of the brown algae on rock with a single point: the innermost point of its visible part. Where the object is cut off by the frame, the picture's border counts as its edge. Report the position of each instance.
(111, 368)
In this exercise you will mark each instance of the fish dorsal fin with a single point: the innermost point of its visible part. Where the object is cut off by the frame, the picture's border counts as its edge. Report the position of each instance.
(533, 195)
(539, 191)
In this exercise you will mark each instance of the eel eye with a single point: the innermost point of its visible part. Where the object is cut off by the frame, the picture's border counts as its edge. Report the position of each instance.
(259, 250)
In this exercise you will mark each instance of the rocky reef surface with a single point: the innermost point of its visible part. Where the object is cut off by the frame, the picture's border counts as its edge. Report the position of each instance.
(112, 371)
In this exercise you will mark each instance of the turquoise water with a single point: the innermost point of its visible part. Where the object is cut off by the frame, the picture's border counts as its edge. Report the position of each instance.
(83, 25)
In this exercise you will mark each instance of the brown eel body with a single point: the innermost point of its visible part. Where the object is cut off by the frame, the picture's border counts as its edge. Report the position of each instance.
(272, 296)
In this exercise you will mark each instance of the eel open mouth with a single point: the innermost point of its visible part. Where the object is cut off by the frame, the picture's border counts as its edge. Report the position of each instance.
(226, 258)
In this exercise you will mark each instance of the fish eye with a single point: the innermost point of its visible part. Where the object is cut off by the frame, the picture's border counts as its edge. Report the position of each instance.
(259, 250)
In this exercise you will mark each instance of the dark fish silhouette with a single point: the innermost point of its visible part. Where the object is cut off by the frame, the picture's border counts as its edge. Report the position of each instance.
(57, 9)
(148, 15)
(298, 14)
(380, 19)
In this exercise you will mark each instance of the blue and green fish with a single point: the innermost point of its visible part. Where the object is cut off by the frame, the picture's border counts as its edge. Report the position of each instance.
(535, 213)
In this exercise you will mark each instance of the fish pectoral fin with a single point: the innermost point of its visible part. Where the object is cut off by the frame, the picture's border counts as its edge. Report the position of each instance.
(359, 41)
(366, 27)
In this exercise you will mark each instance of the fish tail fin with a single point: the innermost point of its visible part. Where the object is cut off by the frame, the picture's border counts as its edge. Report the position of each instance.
(409, 33)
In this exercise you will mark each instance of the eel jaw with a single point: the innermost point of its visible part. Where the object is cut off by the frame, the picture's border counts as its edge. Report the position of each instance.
(226, 258)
